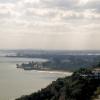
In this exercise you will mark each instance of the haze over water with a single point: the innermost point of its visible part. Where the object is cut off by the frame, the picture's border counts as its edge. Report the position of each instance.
(17, 82)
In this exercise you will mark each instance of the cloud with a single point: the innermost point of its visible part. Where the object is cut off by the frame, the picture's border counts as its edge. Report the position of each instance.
(6, 10)
(7, 1)
(47, 13)
(52, 10)
(50, 18)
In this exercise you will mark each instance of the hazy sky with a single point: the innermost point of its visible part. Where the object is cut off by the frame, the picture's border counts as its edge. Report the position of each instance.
(50, 24)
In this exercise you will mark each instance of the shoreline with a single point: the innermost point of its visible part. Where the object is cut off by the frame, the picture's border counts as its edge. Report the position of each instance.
(55, 72)
(51, 71)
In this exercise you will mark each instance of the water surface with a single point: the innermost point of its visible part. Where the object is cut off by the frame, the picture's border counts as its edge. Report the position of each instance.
(17, 82)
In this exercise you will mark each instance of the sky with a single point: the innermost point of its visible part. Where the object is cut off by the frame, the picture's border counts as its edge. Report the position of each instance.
(50, 24)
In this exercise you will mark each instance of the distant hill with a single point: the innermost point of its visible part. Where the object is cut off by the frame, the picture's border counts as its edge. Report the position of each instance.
(59, 59)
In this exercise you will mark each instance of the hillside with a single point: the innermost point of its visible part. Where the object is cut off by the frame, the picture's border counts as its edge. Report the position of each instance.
(75, 87)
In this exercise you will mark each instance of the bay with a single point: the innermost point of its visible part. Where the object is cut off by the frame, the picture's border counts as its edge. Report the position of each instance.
(17, 82)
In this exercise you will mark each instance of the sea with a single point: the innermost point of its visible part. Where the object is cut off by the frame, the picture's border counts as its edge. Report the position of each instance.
(17, 82)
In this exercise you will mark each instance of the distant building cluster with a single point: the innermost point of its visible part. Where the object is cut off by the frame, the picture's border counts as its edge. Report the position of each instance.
(94, 75)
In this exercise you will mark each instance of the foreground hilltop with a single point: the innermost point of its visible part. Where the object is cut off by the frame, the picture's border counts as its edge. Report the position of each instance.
(80, 86)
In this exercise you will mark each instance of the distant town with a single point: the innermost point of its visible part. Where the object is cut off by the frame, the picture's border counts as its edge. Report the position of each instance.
(59, 60)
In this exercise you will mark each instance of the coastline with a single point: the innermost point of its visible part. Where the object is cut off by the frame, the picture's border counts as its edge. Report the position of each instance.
(67, 73)
(63, 74)
(50, 71)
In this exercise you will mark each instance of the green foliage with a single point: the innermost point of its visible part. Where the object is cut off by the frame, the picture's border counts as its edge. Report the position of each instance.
(96, 93)
(82, 71)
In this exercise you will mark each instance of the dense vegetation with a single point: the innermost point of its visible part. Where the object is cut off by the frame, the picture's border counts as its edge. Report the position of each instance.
(73, 87)
(96, 94)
